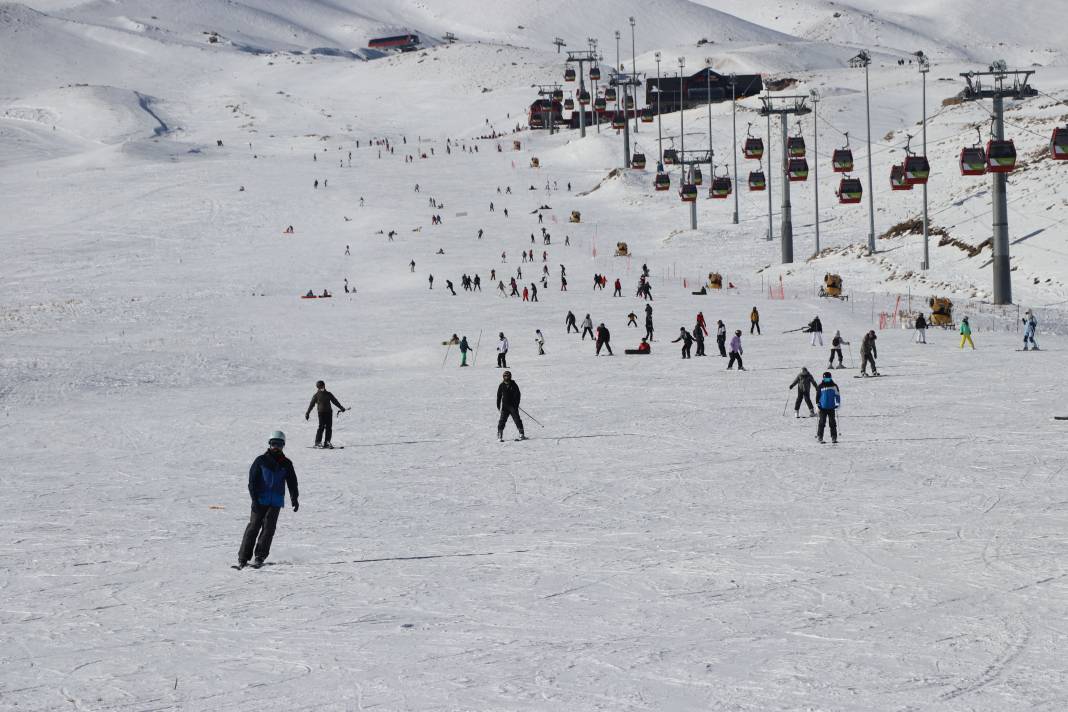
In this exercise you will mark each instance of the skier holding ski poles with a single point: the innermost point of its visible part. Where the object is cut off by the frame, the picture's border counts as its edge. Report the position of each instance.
(508, 396)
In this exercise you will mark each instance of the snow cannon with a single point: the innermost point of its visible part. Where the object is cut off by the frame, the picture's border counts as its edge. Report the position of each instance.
(832, 286)
(941, 312)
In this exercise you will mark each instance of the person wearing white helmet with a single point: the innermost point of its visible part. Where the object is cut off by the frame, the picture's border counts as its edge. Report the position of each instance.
(271, 473)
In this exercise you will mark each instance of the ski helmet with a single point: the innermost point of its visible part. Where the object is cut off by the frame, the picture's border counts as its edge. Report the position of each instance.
(277, 436)
(320, 384)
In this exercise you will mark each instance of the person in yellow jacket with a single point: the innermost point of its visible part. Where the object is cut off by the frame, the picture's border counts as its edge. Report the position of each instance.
(966, 334)
(754, 321)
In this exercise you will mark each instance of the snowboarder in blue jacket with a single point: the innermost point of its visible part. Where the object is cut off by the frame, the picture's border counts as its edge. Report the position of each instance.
(829, 399)
(271, 473)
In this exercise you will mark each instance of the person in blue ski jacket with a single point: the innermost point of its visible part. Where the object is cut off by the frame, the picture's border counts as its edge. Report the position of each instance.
(1030, 325)
(829, 399)
(268, 477)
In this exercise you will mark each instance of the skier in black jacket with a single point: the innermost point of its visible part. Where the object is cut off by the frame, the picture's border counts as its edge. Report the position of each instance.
(569, 321)
(322, 400)
(804, 383)
(508, 404)
(687, 341)
(699, 337)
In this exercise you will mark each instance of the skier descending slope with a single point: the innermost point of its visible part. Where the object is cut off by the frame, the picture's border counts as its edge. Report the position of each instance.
(1030, 326)
(321, 401)
(268, 478)
(502, 351)
(829, 398)
(736, 351)
(804, 382)
(508, 396)
(836, 349)
(868, 354)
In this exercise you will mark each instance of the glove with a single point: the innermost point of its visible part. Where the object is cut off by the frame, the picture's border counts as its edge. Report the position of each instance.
(296, 505)
(343, 410)
(307, 416)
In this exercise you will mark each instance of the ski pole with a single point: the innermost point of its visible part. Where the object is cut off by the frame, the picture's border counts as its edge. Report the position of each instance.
(531, 417)
(793, 330)
(785, 406)
(852, 363)
(446, 355)
(473, 360)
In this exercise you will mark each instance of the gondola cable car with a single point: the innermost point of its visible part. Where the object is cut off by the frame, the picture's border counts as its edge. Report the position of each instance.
(797, 170)
(721, 185)
(647, 115)
(973, 158)
(569, 75)
(595, 73)
(897, 178)
(662, 180)
(795, 145)
(637, 161)
(757, 181)
(754, 146)
(696, 176)
(1058, 144)
(917, 169)
(842, 158)
(584, 98)
(849, 191)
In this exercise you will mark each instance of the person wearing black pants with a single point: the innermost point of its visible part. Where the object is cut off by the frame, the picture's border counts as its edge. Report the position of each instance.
(736, 351)
(721, 338)
(603, 338)
(502, 351)
(271, 473)
(754, 322)
(587, 328)
(321, 401)
(699, 337)
(829, 399)
(804, 382)
(508, 396)
(686, 339)
(570, 322)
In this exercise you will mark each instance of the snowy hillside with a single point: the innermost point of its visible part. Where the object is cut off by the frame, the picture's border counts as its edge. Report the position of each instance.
(672, 536)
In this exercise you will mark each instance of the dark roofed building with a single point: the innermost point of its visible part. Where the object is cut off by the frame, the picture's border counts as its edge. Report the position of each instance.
(694, 90)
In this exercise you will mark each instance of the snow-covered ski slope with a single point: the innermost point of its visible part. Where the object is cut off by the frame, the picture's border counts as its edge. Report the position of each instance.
(669, 540)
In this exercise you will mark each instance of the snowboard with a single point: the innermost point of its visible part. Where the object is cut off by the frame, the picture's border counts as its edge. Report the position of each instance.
(336, 447)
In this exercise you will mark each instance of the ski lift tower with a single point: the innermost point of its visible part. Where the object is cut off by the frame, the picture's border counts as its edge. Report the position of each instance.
(688, 159)
(784, 107)
(548, 90)
(625, 81)
(582, 58)
(1003, 82)
(559, 42)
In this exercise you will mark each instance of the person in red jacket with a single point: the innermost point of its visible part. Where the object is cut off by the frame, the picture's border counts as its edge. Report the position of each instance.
(619, 289)
(701, 322)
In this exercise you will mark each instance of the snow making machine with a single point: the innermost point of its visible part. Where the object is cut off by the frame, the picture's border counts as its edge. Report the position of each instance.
(622, 250)
(576, 217)
(941, 312)
(715, 280)
(832, 286)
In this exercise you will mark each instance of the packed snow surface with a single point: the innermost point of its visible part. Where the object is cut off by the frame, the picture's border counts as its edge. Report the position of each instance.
(671, 537)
